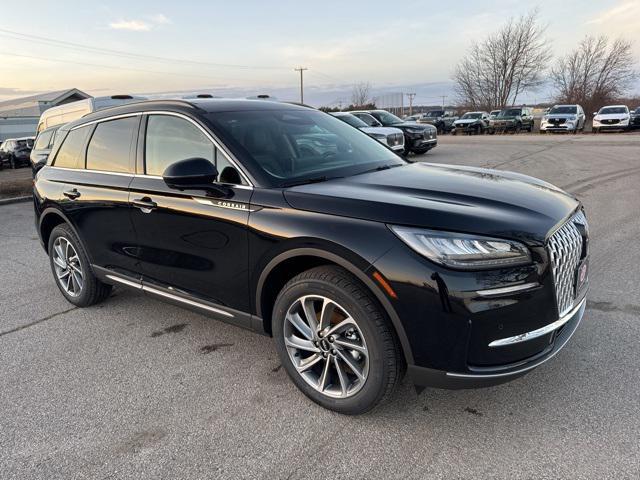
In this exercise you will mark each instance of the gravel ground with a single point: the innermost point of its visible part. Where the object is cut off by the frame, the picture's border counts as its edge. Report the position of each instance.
(134, 388)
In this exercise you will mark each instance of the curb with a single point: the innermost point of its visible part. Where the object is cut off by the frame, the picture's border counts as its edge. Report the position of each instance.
(8, 201)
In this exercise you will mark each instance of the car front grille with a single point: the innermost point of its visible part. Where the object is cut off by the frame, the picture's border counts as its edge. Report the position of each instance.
(557, 121)
(566, 250)
(610, 121)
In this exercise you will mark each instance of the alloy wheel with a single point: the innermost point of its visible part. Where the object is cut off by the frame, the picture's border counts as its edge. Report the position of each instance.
(67, 266)
(326, 346)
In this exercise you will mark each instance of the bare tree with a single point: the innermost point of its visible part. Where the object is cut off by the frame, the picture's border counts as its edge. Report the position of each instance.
(503, 66)
(360, 94)
(595, 73)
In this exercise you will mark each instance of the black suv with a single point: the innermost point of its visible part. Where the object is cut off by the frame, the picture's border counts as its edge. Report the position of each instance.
(418, 139)
(14, 152)
(285, 220)
(512, 119)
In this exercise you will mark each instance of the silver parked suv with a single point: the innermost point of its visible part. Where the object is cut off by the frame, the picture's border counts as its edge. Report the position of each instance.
(563, 118)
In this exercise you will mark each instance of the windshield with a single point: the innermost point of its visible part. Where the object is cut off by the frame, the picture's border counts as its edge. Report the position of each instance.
(495, 112)
(510, 112)
(297, 146)
(23, 144)
(610, 110)
(386, 118)
(352, 120)
(569, 110)
(435, 113)
(472, 115)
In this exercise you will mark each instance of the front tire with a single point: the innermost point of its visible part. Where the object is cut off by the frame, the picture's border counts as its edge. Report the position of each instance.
(335, 342)
(72, 270)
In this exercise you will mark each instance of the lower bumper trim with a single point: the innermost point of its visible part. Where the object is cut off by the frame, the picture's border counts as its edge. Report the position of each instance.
(429, 377)
(523, 337)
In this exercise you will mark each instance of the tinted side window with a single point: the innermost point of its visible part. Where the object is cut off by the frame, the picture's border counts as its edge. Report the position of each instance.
(170, 139)
(110, 145)
(71, 152)
(43, 140)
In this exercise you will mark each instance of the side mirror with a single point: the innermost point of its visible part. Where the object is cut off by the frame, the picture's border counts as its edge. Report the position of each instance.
(595, 113)
(191, 173)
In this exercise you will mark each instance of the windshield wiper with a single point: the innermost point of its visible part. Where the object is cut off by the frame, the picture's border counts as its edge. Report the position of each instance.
(306, 181)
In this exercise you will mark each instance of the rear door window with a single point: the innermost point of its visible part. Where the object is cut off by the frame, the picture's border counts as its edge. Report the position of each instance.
(71, 152)
(111, 144)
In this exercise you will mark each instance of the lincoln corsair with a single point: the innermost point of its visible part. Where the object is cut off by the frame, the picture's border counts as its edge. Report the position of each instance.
(284, 220)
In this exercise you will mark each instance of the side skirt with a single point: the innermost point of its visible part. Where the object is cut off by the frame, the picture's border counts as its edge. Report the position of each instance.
(182, 299)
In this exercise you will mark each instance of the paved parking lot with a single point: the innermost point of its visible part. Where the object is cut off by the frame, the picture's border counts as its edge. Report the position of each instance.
(134, 388)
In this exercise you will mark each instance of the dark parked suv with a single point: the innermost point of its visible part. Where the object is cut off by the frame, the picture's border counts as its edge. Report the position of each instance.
(285, 220)
(14, 152)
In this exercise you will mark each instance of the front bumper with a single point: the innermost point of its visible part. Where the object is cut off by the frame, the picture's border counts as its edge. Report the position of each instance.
(562, 331)
(424, 144)
(611, 126)
(563, 127)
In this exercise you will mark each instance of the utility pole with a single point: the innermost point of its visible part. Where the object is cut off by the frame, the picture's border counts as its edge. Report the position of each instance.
(443, 97)
(411, 97)
(301, 69)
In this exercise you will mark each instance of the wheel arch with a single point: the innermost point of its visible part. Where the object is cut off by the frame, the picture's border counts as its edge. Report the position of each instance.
(306, 258)
(50, 218)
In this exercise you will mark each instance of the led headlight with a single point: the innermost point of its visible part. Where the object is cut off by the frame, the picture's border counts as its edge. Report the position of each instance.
(378, 136)
(466, 252)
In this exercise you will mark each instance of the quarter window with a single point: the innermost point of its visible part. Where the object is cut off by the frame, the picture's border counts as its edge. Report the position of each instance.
(110, 145)
(71, 153)
(43, 140)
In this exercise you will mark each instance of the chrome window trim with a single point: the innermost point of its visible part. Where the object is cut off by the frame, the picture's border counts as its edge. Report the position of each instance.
(523, 337)
(217, 144)
(103, 172)
(106, 119)
(490, 292)
(146, 288)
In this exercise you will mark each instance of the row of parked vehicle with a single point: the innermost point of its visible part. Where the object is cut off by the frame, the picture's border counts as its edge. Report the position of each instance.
(560, 118)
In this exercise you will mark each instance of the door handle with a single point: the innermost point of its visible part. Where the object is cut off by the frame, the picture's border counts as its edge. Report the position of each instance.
(145, 204)
(71, 194)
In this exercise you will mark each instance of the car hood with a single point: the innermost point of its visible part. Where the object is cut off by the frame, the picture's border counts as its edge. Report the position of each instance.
(381, 130)
(443, 197)
(612, 116)
(561, 115)
(413, 125)
(465, 121)
(506, 118)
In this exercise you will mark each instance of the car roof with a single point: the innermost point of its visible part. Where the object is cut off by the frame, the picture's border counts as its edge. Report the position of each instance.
(615, 106)
(201, 105)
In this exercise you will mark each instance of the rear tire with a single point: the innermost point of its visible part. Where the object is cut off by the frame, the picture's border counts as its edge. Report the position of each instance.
(72, 270)
(322, 371)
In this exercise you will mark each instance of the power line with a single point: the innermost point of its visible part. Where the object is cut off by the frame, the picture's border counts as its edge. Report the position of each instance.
(113, 67)
(120, 53)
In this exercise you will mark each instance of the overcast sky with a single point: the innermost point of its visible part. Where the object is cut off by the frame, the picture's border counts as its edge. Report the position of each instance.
(251, 46)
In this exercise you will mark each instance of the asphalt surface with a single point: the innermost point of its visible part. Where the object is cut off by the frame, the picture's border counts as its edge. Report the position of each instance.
(134, 388)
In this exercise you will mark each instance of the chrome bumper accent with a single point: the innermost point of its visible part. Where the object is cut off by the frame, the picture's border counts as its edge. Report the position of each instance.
(504, 290)
(523, 337)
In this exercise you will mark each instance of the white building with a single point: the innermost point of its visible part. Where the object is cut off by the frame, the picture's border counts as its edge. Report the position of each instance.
(19, 117)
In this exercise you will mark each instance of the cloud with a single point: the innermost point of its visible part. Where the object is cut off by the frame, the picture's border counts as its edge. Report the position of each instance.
(619, 12)
(154, 21)
(130, 25)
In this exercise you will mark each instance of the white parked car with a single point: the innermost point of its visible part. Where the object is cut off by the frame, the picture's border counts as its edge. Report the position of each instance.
(563, 118)
(611, 117)
(392, 137)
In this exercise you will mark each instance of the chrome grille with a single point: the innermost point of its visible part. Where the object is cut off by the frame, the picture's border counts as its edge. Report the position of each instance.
(565, 250)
